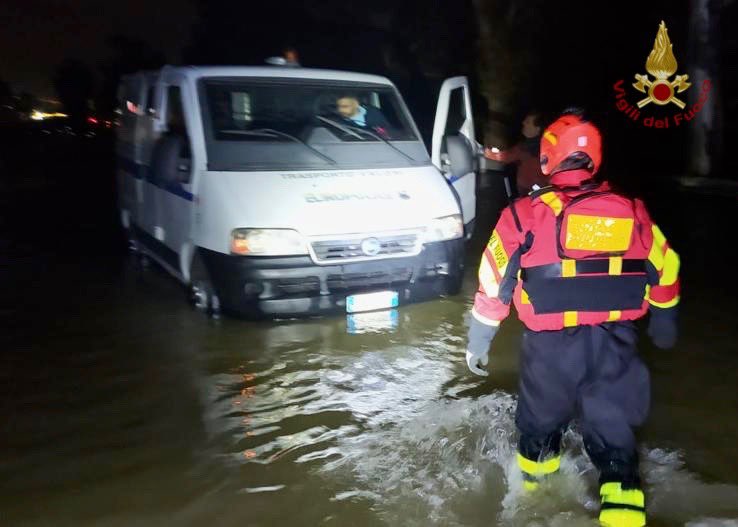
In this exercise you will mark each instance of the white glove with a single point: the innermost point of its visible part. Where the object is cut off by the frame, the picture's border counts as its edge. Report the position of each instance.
(477, 349)
(473, 361)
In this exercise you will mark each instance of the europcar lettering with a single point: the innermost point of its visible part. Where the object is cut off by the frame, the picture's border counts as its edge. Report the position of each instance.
(341, 196)
(331, 175)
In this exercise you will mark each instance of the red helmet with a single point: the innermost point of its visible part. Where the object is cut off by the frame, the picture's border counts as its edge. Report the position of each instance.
(567, 136)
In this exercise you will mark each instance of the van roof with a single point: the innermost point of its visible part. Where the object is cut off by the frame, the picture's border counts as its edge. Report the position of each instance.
(196, 72)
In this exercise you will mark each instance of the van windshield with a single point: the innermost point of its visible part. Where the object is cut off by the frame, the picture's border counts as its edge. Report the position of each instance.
(272, 124)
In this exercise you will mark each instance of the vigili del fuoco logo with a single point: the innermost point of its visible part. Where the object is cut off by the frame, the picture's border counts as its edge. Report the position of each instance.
(661, 65)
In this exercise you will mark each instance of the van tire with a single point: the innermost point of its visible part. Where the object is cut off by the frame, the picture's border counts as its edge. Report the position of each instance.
(141, 260)
(144, 262)
(454, 283)
(200, 291)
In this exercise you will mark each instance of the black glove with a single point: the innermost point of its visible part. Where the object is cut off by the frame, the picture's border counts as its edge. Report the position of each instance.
(662, 328)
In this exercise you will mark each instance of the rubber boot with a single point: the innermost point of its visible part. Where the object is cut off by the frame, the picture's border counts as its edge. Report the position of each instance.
(622, 506)
(623, 503)
(538, 457)
(535, 471)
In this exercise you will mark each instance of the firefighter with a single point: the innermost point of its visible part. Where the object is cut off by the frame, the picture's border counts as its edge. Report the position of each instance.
(582, 263)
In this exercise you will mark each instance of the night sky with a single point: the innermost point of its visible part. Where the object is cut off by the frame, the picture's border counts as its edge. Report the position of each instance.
(576, 50)
(37, 35)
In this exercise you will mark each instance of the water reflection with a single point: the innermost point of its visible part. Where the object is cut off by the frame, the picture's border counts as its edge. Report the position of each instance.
(139, 411)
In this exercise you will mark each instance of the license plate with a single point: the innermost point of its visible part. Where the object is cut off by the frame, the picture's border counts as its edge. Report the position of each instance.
(372, 322)
(372, 301)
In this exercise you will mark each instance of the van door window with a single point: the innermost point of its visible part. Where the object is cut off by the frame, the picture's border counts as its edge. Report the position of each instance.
(175, 114)
(456, 112)
(171, 157)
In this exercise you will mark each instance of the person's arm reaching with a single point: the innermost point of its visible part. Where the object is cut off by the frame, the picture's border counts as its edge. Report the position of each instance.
(498, 275)
(505, 156)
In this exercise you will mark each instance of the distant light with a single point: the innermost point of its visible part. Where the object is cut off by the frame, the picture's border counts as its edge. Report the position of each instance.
(276, 61)
(289, 60)
(132, 107)
(38, 115)
(92, 120)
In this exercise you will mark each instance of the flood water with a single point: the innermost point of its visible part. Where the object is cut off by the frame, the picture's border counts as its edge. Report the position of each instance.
(123, 406)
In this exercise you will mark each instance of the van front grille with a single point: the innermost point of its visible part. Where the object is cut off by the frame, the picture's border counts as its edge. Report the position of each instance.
(351, 248)
(345, 281)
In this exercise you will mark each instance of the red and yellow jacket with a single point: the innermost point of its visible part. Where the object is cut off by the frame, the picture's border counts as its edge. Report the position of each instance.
(575, 255)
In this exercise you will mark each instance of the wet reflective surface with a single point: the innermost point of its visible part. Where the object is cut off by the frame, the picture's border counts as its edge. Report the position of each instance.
(123, 406)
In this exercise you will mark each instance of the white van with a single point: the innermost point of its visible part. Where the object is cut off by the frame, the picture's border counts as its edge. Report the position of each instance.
(252, 188)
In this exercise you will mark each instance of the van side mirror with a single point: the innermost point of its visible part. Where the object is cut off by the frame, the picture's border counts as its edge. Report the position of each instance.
(170, 160)
(460, 158)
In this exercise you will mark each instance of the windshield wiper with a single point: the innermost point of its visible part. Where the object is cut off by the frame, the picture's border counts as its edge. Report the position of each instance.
(345, 129)
(270, 132)
(349, 129)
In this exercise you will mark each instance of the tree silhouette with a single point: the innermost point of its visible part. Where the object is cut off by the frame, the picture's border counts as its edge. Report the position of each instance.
(74, 85)
(127, 55)
(7, 112)
(25, 104)
(5, 91)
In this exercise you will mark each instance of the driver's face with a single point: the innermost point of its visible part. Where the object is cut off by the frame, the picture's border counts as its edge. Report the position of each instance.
(347, 106)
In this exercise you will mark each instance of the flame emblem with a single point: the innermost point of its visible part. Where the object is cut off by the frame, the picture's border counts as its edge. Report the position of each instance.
(661, 64)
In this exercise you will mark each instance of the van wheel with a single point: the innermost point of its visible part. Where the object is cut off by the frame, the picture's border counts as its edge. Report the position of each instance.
(143, 261)
(204, 298)
(454, 282)
(140, 258)
(201, 292)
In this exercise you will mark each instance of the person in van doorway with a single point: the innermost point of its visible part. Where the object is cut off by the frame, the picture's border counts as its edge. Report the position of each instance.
(581, 262)
(291, 57)
(524, 154)
(356, 114)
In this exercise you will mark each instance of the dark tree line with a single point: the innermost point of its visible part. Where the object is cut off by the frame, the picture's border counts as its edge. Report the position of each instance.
(83, 90)
(519, 54)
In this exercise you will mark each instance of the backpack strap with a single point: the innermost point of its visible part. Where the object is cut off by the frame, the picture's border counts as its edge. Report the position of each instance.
(548, 196)
(515, 216)
(537, 193)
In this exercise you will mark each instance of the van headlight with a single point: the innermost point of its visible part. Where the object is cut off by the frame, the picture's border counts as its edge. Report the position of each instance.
(445, 228)
(267, 242)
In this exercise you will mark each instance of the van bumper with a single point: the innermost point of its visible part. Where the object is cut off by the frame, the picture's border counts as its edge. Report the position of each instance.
(287, 287)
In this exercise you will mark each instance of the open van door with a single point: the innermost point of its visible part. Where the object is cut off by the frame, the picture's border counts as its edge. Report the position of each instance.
(454, 147)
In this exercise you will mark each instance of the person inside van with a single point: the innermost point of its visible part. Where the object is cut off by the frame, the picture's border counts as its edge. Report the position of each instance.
(356, 114)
